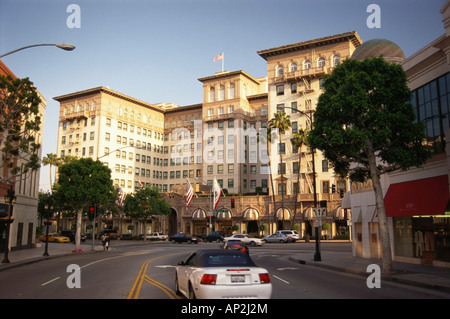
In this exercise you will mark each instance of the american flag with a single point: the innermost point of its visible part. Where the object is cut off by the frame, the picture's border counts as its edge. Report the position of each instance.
(120, 198)
(189, 193)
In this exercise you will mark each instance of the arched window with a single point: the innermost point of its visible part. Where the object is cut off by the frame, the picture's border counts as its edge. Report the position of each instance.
(293, 67)
(320, 62)
(212, 92)
(336, 60)
(280, 70)
(307, 64)
(221, 92)
(231, 91)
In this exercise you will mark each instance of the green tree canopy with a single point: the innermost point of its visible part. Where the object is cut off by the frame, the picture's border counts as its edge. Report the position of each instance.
(365, 125)
(145, 203)
(83, 182)
(20, 121)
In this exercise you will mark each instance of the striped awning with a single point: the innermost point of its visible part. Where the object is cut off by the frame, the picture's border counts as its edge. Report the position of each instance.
(341, 213)
(199, 214)
(287, 214)
(308, 213)
(251, 214)
(223, 215)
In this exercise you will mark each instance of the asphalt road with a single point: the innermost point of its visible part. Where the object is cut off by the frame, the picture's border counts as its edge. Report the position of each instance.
(147, 272)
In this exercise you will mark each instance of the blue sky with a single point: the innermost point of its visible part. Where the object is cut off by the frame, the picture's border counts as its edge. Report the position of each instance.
(155, 50)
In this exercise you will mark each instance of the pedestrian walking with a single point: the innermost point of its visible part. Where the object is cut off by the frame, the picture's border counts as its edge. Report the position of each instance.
(104, 237)
(108, 242)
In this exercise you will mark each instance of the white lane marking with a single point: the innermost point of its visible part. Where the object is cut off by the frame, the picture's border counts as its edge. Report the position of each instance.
(281, 279)
(45, 283)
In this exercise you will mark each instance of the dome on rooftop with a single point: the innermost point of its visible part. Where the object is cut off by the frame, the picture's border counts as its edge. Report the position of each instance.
(390, 51)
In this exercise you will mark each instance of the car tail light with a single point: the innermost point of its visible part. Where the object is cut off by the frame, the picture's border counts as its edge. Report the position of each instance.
(208, 279)
(264, 278)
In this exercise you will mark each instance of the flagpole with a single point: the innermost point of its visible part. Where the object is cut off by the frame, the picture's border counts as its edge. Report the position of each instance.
(223, 58)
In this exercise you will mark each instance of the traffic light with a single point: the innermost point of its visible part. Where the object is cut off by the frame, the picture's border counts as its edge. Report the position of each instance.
(91, 213)
(232, 203)
(333, 189)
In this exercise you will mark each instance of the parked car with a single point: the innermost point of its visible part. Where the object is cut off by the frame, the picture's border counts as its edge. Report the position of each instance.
(55, 237)
(71, 235)
(235, 244)
(245, 239)
(111, 233)
(289, 233)
(182, 238)
(277, 238)
(157, 236)
(214, 236)
(219, 273)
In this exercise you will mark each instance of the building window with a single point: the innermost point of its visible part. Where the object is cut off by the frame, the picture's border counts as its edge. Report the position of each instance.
(211, 94)
(221, 92)
(324, 166)
(336, 60)
(433, 109)
(320, 62)
(280, 89)
(231, 91)
(307, 64)
(280, 70)
(293, 67)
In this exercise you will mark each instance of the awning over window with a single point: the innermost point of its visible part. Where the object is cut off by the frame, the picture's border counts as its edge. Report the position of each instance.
(286, 214)
(251, 214)
(428, 196)
(199, 214)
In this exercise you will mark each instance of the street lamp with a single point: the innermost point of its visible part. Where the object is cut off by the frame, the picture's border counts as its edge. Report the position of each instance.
(64, 46)
(48, 209)
(9, 199)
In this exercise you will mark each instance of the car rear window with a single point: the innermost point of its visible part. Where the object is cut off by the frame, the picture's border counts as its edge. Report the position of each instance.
(228, 260)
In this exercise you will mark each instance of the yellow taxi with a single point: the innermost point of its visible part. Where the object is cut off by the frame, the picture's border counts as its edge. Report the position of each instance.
(55, 237)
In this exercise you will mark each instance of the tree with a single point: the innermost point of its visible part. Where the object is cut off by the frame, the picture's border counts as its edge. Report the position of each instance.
(144, 204)
(81, 183)
(20, 121)
(52, 160)
(298, 140)
(365, 125)
(282, 122)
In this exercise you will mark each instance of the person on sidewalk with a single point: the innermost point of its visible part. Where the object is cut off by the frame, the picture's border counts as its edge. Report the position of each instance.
(104, 237)
(107, 243)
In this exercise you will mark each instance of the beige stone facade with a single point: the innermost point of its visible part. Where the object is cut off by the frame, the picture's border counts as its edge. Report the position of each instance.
(164, 144)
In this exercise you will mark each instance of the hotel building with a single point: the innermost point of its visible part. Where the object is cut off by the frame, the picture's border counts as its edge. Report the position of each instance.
(164, 144)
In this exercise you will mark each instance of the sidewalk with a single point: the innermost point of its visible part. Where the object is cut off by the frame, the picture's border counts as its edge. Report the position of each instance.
(425, 276)
(416, 275)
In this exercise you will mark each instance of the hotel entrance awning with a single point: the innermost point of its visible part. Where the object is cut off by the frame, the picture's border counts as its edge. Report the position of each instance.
(428, 196)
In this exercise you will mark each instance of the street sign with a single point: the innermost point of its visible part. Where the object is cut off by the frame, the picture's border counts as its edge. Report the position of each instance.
(209, 213)
(319, 212)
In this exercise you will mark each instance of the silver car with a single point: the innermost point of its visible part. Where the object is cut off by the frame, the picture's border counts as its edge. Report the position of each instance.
(276, 238)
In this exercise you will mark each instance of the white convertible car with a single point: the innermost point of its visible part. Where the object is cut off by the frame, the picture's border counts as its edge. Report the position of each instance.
(220, 273)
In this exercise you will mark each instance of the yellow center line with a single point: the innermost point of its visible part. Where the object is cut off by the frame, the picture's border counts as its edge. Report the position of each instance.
(136, 288)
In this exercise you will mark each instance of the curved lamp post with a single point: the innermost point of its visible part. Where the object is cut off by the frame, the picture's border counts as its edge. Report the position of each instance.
(64, 46)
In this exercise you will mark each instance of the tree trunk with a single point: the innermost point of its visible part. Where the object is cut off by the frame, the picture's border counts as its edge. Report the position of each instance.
(382, 220)
(78, 232)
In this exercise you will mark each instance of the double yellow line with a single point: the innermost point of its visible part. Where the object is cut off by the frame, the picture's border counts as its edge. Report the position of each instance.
(136, 289)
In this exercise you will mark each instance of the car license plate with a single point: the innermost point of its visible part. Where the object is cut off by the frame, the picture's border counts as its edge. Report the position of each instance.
(237, 278)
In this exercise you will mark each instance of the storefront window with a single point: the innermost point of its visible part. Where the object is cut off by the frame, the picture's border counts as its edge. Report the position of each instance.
(425, 237)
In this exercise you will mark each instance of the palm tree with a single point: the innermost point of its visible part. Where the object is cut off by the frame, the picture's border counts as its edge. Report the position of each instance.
(298, 140)
(51, 159)
(267, 138)
(282, 122)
